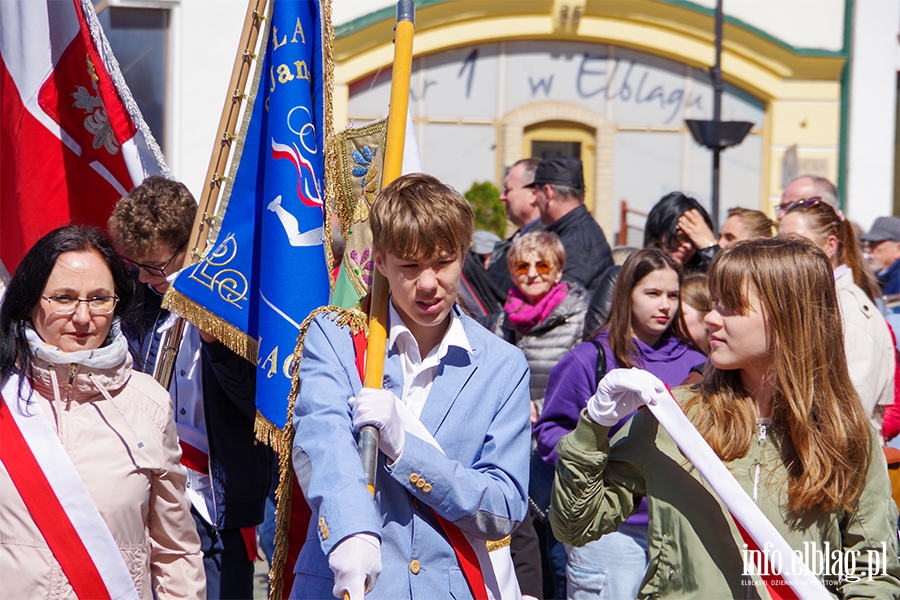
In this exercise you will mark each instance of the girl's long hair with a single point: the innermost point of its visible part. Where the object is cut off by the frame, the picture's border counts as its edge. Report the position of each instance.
(823, 220)
(824, 430)
(637, 266)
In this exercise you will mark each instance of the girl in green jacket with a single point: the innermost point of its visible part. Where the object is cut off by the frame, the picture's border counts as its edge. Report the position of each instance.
(778, 408)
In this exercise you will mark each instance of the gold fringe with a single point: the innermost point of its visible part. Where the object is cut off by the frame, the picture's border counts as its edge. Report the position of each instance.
(358, 321)
(239, 342)
(268, 432)
(491, 546)
(328, 125)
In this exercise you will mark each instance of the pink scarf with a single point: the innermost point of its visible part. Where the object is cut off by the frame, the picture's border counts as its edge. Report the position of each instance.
(525, 315)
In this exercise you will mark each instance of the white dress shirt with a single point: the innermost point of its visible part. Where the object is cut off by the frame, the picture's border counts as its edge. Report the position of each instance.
(418, 372)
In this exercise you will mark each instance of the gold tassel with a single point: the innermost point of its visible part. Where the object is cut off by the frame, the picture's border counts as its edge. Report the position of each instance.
(239, 342)
(357, 321)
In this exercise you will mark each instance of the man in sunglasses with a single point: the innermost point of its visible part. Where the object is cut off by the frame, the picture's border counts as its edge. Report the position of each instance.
(213, 391)
(807, 186)
(559, 192)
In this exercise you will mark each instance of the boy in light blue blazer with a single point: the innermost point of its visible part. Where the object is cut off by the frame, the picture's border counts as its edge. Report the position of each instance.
(453, 418)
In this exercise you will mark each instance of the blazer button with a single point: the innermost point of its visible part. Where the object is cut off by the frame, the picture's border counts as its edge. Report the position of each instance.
(420, 483)
(324, 534)
(415, 566)
(426, 488)
(413, 478)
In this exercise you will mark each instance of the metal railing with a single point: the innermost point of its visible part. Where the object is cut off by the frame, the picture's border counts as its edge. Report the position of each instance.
(630, 234)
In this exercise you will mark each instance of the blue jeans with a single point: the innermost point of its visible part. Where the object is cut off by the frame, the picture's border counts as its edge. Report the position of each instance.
(610, 568)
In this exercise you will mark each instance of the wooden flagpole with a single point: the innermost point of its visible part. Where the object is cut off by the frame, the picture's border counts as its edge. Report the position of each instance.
(247, 54)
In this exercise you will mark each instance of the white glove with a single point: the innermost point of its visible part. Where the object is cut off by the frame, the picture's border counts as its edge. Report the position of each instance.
(378, 408)
(621, 393)
(356, 563)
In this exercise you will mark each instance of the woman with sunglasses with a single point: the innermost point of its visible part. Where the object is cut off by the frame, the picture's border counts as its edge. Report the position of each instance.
(93, 490)
(645, 329)
(777, 407)
(682, 228)
(867, 340)
(543, 315)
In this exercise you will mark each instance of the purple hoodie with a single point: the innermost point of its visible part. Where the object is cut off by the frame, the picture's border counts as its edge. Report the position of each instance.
(572, 383)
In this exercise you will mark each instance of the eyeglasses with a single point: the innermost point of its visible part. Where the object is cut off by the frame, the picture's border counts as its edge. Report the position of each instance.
(812, 201)
(542, 267)
(154, 271)
(67, 305)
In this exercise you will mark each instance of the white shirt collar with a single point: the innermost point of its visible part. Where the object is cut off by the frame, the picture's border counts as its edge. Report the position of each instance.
(455, 335)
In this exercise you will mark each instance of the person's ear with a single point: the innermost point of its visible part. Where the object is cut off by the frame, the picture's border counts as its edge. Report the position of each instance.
(831, 246)
(379, 262)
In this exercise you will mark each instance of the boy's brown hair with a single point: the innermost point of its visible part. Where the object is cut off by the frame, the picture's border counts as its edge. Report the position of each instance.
(159, 211)
(417, 215)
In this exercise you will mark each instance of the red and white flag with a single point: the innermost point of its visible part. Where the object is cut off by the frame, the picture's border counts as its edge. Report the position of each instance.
(72, 139)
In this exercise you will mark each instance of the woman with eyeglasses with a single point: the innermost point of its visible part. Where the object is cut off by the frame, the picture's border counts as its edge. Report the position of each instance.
(93, 490)
(777, 407)
(645, 329)
(867, 340)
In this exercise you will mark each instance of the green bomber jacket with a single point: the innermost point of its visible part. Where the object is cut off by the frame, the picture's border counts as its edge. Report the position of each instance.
(694, 546)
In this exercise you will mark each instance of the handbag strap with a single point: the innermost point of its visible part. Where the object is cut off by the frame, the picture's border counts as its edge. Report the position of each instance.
(601, 362)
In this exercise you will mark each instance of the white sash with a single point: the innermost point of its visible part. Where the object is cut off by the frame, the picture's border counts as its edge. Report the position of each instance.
(496, 566)
(670, 415)
(70, 491)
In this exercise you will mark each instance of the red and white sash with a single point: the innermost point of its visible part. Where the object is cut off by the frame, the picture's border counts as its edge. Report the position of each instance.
(494, 569)
(60, 505)
(756, 529)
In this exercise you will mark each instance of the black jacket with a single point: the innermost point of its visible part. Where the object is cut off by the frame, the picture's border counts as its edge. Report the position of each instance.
(587, 252)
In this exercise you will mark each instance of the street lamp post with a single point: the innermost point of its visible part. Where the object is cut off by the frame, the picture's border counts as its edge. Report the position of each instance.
(717, 134)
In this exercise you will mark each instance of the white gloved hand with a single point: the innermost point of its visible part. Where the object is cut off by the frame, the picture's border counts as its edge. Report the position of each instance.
(622, 392)
(356, 563)
(378, 408)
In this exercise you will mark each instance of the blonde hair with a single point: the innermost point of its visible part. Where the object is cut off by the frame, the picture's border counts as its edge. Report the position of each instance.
(545, 244)
(824, 430)
(756, 221)
(417, 215)
(824, 221)
(695, 293)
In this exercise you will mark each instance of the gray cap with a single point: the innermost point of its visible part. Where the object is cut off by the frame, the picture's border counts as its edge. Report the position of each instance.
(483, 242)
(885, 228)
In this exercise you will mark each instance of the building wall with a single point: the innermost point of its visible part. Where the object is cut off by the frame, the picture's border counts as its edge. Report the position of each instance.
(793, 96)
(786, 58)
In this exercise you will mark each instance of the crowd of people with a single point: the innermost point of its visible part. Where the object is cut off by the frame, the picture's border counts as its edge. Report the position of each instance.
(523, 450)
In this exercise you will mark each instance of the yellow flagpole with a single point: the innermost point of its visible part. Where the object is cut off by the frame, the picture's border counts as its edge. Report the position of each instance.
(393, 163)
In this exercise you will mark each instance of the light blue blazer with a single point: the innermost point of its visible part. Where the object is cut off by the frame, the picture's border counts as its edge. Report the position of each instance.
(477, 410)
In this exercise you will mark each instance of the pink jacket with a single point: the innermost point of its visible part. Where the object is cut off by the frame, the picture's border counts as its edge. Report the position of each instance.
(102, 416)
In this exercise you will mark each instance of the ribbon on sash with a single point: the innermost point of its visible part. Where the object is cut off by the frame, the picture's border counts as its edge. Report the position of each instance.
(60, 505)
(795, 579)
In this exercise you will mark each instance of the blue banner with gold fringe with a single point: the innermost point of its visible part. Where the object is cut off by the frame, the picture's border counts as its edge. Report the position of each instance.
(266, 270)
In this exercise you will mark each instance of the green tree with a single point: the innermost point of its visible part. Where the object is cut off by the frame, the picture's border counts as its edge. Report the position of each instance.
(490, 214)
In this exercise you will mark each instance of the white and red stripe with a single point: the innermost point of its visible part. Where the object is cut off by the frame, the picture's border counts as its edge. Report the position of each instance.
(73, 139)
(56, 497)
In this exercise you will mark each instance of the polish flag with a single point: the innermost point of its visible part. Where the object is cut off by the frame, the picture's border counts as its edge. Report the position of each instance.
(72, 139)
